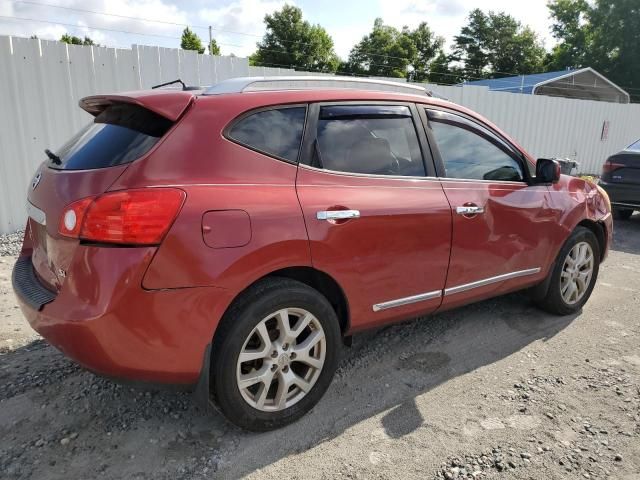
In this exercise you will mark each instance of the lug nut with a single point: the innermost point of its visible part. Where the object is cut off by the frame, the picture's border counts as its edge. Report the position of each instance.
(285, 346)
(274, 367)
(274, 354)
(285, 369)
(293, 355)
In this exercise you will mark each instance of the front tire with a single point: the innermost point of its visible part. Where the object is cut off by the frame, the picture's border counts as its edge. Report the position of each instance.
(574, 274)
(622, 213)
(275, 354)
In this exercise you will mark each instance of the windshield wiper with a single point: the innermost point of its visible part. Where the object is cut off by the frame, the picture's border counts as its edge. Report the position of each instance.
(53, 157)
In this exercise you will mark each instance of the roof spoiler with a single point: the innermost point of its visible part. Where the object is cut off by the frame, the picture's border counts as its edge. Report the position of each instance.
(170, 104)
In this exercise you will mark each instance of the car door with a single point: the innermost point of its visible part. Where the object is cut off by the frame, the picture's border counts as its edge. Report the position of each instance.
(501, 220)
(376, 223)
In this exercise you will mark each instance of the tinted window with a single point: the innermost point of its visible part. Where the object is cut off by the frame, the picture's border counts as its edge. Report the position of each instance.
(372, 139)
(469, 152)
(118, 135)
(276, 132)
(634, 146)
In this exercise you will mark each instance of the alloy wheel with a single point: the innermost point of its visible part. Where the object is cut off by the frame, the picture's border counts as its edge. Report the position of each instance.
(281, 359)
(576, 273)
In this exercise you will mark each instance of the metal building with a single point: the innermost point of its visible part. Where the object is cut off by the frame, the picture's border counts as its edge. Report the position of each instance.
(582, 83)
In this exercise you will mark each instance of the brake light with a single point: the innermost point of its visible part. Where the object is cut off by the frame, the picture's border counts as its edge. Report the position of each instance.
(610, 166)
(131, 217)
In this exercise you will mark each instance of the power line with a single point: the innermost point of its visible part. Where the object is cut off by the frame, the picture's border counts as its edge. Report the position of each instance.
(140, 19)
(270, 50)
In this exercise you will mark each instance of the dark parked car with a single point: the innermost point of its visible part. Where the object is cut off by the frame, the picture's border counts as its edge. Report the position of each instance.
(621, 179)
(232, 239)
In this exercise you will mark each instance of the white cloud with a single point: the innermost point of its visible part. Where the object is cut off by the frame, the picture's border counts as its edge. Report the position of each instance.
(238, 25)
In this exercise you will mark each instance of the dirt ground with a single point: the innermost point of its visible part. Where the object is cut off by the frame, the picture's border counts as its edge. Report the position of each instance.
(494, 390)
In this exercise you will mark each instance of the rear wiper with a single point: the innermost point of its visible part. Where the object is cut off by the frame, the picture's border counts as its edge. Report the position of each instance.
(53, 157)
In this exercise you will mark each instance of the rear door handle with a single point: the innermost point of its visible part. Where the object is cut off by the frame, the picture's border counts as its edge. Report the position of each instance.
(337, 214)
(469, 210)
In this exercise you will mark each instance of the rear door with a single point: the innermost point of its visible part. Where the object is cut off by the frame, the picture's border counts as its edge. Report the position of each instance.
(376, 222)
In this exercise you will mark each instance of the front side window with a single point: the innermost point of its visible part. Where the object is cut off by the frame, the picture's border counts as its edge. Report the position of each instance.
(276, 131)
(468, 152)
(369, 139)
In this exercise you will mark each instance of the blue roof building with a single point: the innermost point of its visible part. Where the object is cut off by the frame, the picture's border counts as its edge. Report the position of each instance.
(583, 83)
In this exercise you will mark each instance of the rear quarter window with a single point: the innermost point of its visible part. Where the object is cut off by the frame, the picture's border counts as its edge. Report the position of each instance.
(276, 132)
(118, 135)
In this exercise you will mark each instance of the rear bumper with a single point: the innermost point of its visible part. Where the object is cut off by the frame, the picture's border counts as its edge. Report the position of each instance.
(622, 194)
(104, 320)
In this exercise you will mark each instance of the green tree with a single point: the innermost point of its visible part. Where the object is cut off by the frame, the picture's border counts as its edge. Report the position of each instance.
(389, 52)
(441, 71)
(73, 40)
(604, 34)
(492, 44)
(571, 30)
(293, 42)
(214, 49)
(191, 41)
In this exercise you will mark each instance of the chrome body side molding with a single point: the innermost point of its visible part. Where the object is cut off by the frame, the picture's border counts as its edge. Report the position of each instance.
(490, 280)
(407, 300)
(453, 290)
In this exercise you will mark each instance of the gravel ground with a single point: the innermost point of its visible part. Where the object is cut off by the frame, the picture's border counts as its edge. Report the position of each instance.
(10, 244)
(493, 390)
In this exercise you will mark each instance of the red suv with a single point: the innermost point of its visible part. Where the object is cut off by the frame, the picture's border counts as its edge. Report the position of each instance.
(233, 238)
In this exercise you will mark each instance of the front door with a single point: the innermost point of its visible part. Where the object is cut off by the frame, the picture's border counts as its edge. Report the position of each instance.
(501, 223)
(376, 223)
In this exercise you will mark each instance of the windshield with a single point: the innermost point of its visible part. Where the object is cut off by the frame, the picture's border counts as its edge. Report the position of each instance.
(118, 135)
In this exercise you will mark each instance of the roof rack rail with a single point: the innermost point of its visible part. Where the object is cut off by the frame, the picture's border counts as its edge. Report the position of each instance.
(185, 87)
(241, 84)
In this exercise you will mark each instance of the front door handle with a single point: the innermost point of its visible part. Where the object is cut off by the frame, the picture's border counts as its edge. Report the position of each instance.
(469, 210)
(337, 214)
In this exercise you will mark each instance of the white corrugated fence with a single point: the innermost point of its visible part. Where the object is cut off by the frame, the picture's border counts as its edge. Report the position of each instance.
(41, 82)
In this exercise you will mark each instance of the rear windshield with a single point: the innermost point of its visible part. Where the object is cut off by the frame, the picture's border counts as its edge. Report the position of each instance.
(634, 146)
(118, 135)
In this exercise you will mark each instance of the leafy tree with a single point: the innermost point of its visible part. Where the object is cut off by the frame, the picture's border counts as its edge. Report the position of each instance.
(191, 41)
(441, 71)
(604, 34)
(570, 29)
(492, 44)
(73, 40)
(293, 42)
(214, 49)
(389, 52)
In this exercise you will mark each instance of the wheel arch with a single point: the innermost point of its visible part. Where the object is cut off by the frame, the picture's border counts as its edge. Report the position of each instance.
(599, 230)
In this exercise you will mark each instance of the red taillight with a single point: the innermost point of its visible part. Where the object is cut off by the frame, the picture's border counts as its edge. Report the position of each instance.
(131, 217)
(610, 166)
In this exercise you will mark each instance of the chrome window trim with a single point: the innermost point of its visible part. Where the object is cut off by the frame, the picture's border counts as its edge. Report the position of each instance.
(407, 300)
(488, 281)
(367, 175)
(36, 214)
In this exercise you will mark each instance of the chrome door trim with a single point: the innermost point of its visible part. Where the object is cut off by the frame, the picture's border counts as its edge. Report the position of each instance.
(337, 214)
(490, 280)
(407, 300)
(469, 210)
(36, 214)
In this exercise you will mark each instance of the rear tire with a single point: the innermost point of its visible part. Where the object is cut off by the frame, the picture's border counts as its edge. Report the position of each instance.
(286, 334)
(573, 276)
(622, 213)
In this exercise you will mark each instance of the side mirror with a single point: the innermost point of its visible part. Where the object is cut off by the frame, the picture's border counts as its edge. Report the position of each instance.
(547, 171)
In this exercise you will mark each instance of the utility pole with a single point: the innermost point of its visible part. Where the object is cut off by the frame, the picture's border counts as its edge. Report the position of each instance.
(210, 39)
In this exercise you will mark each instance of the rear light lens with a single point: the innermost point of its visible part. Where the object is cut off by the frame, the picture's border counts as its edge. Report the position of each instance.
(610, 166)
(129, 217)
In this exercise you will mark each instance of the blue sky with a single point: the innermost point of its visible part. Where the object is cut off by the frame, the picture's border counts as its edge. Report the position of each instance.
(238, 24)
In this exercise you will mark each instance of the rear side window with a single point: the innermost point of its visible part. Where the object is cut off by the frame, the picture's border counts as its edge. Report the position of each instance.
(369, 139)
(276, 132)
(118, 135)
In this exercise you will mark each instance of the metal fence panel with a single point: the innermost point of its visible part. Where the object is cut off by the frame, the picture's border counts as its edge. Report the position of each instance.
(41, 82)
